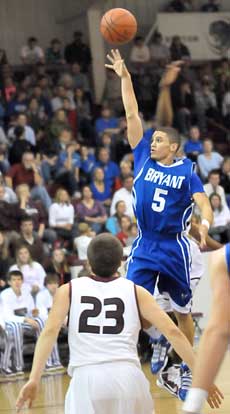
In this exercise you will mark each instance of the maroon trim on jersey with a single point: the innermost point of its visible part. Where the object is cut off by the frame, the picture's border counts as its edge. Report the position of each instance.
(103, 279)
(138, 307)
(70, 300)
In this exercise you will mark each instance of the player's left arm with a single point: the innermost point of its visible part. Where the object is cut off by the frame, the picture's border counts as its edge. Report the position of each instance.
(44, 345)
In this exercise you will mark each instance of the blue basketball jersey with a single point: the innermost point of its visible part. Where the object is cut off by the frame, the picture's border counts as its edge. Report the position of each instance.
(227, 254)
(162, 195)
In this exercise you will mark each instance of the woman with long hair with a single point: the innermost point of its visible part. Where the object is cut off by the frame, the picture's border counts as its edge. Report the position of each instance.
(61, 215)
(100, 189)
(33, 273)
(220, 228)
(5, 260)
(59, 265)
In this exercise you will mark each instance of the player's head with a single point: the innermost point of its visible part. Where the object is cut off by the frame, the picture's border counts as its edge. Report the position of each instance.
(105, 253)
(165, 143)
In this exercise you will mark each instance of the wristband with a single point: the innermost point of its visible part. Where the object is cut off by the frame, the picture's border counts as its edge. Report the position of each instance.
(205, 223)
(195, 400)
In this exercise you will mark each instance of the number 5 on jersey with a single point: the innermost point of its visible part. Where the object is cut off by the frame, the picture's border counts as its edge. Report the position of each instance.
(158, 199)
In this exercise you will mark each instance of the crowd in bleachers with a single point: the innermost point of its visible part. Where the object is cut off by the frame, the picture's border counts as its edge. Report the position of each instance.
(66, 165)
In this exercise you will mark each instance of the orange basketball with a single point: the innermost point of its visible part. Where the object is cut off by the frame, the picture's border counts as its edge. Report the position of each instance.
(118, 26)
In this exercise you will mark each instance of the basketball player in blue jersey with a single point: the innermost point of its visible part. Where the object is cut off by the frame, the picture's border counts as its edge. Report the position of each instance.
(164, 192)
(216, 337)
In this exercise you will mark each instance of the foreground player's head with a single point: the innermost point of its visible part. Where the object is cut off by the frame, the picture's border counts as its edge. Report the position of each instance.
(165, 144)
(105, 253)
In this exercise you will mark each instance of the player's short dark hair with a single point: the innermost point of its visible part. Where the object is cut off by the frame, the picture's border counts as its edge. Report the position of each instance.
(105, 253)
(172, 134)
(51, 278)
(17, 273)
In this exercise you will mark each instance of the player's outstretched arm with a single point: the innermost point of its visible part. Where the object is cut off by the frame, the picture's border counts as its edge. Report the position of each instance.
(135, 130)
(214, 341)
(44, 346)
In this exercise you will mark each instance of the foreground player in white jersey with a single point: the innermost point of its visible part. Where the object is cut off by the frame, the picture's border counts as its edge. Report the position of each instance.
(216, 336)
(104, 323)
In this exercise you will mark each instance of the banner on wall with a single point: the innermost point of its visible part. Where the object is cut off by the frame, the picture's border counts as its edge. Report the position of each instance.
(207, 35)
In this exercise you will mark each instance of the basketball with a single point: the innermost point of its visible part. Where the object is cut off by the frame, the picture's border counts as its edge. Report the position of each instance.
(118, 26)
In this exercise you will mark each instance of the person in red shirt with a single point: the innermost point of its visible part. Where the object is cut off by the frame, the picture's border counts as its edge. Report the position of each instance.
(124, 234)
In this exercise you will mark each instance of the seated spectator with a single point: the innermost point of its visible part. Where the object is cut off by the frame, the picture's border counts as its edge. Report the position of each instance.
(27, 173)
(90, 211)
(122, 147)
(59, 265)
(43, 101)
(37, 116)
(54, 55)
(81, 242)
(68, 165)
(193, 146)
(28, 131)
(88, 162)
(80, 80)
(20, 145)
(61, 215)
(225, 177)
(6, 193)
(29, 238)
(106, 123)
(126, 171)
(178, 50)
(57, 101)
(158, 50)
(4, 163)
(213, 186)
(49, 166)
(112, 93)
(71, 114)
(183, 106)
(179, 6)
(209, 160)
(18, 307)
(32, 53)
(5, 260)
(17, 105)
(78, 51)
(124, 233)
(110, 168)
(10, 89)
(220, 228)
(211, 6)
(139, 52)
(100, 188)
(59, 122)
(107, 142)
(124, 194)
(44, 298)
(113, 223)
(10, 216)
(33, 272)
(206, 104)
(84, 117)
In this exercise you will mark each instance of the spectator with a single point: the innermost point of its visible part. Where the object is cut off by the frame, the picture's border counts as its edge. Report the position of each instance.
(184, 106)
(59, 265)
(32, 53)
(193, 146)
(68, 165)
(49, 166)
(54, 53)
(110, 168)
(81, 242)
(6, 193)
(4, 163)
(126, 171)
(220, 228)
(213, 186)
(211, 6)
(140, 52)
(113, 223)
(84, 117)
(44, 298)
(225, 177)
(87, 163)
(112, 93)
(30, 239)
(5, 260)
(10, 215)
(209, 160)
(59, 122)
(27, 173)
(91, 211)
(57, 101)
(43, 102)
(19, 146)
(100, 188)
(124, 233)
(206, 103)
(178, 50)
(71, 114)
(179, 6)
(33, 272)
(80, 80)
(61, 215)
(10, 89)
(107, 123)
(29, 132)
(78, 51)
(18, 104)
(124, 194)
(37, 117)
(226, 105)
(158, 50)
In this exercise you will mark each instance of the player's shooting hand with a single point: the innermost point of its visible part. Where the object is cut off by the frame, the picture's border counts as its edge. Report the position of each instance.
(215, 397)
(118, 64)
(203, 231)
(27, 395)
(171, 73)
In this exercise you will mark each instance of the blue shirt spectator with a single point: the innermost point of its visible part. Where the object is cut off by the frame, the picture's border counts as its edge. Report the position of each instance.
(100, 188)
(193, 147)
(209, 160)
(87, 160)
(110, 168)
(106, 122)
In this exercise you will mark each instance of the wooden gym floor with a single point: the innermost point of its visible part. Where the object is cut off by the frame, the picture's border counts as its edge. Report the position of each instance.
(53, 388)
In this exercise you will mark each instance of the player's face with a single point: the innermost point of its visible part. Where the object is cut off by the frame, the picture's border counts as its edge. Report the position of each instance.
(161, 148)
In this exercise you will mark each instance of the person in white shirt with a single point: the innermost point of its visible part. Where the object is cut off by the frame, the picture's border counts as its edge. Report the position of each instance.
(140, 52)
(82, 242)
(104, 324)
(32, 53)
(19, 309)
(124, 194)
(28, 131)
(220, 228)
(44, 298)
(213, 186)
(33, 273)
(61, 214)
